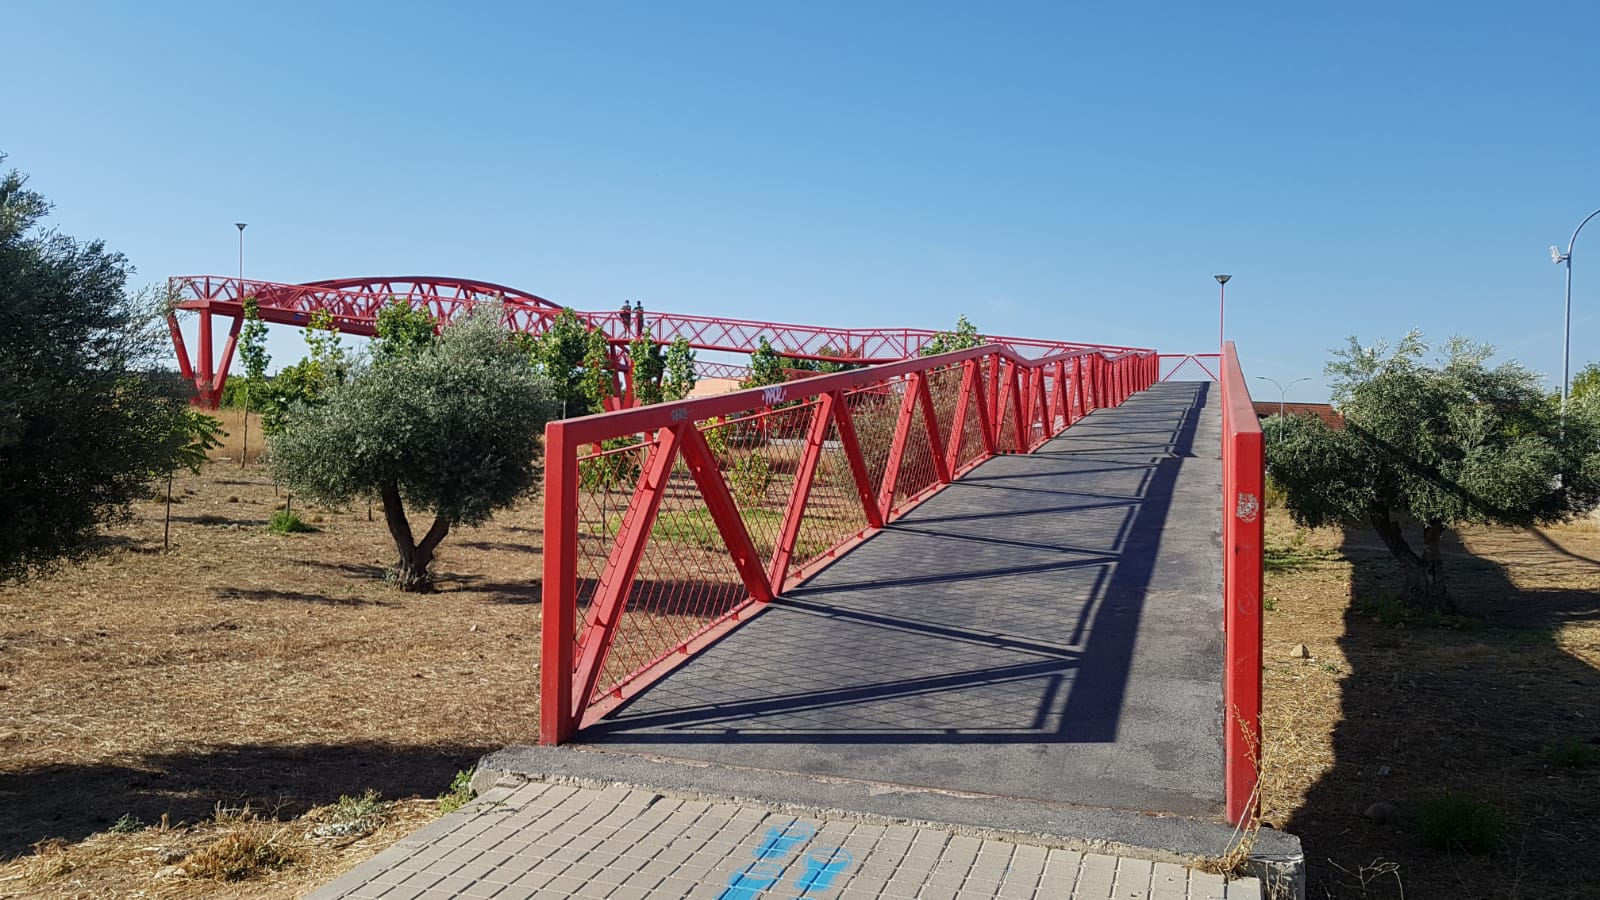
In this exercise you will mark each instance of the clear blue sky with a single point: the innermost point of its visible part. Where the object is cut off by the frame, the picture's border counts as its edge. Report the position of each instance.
(1056, 169)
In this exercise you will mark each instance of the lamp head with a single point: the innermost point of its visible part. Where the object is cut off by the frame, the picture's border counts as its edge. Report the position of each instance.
(1223, 279)
(1556, 256)
(239, 225)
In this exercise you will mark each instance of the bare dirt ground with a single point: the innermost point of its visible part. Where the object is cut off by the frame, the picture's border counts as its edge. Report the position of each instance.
(245, 667)
(1496, 706)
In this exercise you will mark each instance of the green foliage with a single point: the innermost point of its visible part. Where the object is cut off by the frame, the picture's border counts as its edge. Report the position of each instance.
(750, 478)
(823, 366)
(286, 521)
(649, 367)
(1586, 383)
(1437, 446)
(612, 471)
(965, 337)
(766, 367)
(453, 429)
(304, 384)
(198, 435)
(717, 431)
(402, 330)
(459, 794)
(86, 414)
(127, 824)
(679, 379)
(1455, 822)
(1573, 753)
(252, 352)
(596, 383)
(558, 355)
(369, 807)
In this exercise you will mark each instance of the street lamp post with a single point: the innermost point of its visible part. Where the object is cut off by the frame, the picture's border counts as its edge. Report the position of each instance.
(240, 226)
(1557, 257)
(1283, 392)
(1222, 305)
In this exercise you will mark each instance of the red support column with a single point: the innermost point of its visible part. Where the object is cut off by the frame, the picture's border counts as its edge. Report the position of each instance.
(184, 369)
(203, 383)
(1014, 384)
(858, 464)
(897, 447)
(981, 395)
(930, 423)
(958, 422)
(724, 512)
(794, 514)
(227, 358)
(559, 599)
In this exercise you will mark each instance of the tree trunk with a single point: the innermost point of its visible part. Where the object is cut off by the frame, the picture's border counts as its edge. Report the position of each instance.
(1424, 582)
(411, 573)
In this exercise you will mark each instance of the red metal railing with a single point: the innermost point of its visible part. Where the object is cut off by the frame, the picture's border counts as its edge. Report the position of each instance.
(1189, 366)
(1243, 479)
(667, 525)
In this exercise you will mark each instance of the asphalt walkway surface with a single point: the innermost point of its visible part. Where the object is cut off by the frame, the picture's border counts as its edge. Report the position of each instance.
(1048, 627)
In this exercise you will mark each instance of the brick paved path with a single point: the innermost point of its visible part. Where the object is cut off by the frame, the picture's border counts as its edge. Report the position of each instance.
(539, 840)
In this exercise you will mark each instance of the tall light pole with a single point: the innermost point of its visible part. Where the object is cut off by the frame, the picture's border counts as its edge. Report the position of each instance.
(1222, 305)
(240, 226)
(1557, 257)
(1283, 392)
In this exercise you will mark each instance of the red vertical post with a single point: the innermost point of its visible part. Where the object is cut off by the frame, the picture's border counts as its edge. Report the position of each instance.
(203, 383)
(1063, 401)
(930, 424)
(227, 357)
(958, 422)
(616, 581)
(1244, 475)
(858, 463)
(897, 447)
(184, 368)
(1014, 382)
(794, 514)
(559, 598)
(981, 396)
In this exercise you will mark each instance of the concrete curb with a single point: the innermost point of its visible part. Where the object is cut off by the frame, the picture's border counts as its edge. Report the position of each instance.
(1276, 857)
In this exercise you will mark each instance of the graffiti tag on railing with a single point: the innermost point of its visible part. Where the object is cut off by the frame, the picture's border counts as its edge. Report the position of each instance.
(822, 867)
(1248, 507)
(772, 396)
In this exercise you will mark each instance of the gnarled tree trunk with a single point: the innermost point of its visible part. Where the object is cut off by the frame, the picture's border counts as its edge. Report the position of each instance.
(411, 573)
(1424, 582)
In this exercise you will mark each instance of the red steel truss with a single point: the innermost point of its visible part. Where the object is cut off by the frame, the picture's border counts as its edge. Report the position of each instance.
(666, 525)
(1243, 480)
(354, 304)
(1186, 364)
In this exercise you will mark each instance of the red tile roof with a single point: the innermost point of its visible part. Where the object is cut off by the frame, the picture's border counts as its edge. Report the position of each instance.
(1332, 417)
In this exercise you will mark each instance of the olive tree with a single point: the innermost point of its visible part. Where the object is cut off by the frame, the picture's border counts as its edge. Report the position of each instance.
(450, 428)
(86, 414)
(1429, 447)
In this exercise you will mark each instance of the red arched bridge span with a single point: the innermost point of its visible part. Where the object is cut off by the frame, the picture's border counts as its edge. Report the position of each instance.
(354, 304)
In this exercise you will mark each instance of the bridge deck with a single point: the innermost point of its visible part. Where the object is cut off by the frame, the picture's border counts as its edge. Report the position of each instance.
(1049, 627)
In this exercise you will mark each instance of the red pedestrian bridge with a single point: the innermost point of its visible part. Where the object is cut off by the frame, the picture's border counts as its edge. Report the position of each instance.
(1030, 568)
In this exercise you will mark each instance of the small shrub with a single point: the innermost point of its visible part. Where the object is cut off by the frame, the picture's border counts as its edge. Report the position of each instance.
(1270, 604)
(1458, 822)
(750, 478)
(459, 794)
(1386, 608)
(248, 848)
(1574, 754)
(352, 816)
(128, 824)
(288, 522)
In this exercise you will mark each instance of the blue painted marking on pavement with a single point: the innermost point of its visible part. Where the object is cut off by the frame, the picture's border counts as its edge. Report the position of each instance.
(750, 881)
(822, 867)
(780, 841)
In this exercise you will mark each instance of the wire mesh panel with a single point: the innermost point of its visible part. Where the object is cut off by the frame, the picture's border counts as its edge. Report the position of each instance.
(668, 524)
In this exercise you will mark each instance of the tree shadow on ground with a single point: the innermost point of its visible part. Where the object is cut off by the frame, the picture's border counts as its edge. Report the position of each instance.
(75, 801)
(1471, 705)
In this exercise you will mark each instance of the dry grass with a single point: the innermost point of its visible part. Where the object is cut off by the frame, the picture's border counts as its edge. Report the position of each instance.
(1400, 711)
(248, 667)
